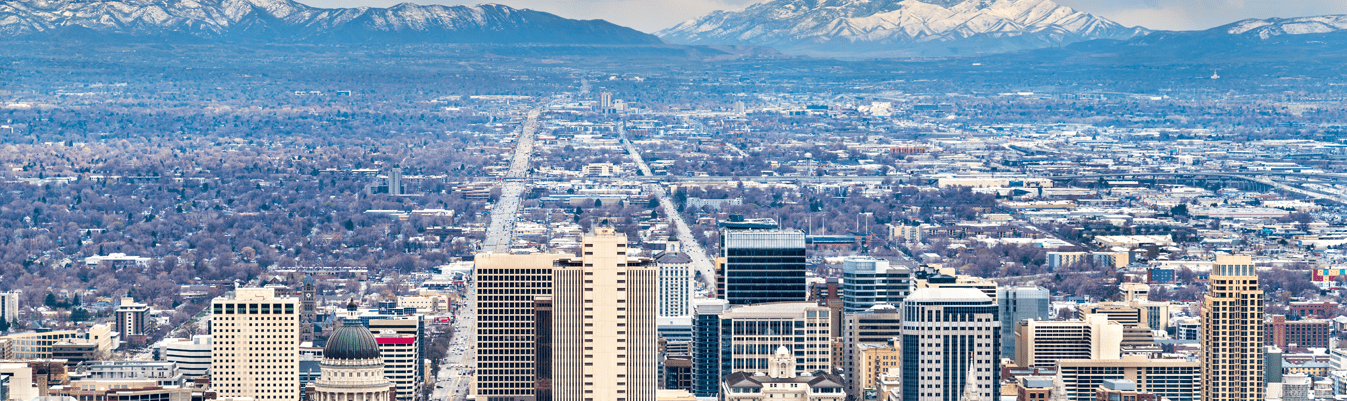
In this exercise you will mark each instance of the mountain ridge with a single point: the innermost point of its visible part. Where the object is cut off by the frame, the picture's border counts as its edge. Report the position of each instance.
(908, 28)
(289, 21)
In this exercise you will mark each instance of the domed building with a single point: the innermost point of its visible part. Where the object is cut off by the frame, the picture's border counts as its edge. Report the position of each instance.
(352, 368)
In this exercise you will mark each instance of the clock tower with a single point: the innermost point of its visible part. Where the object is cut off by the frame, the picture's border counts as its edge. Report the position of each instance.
(307, 309)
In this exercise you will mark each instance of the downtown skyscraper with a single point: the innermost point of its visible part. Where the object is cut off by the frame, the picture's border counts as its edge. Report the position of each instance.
(1232, 332)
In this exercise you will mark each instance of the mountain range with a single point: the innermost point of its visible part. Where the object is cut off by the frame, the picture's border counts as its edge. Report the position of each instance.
(287, 21)
(904, 28)
(829, 28)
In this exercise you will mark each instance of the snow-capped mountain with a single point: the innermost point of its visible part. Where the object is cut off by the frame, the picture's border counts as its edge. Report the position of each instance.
(290, 21)
(1268, 28)
(899, 28)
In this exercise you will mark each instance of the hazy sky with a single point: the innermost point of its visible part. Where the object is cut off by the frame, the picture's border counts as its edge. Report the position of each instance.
(653, 15)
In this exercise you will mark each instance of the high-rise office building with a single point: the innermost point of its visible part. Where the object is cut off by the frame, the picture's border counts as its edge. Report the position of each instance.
(1232, 332)
(873, 327)
(603, 332)
(868, 282)
(9, 306)
(131, 321)
(750, 334)
(675, 280)
(402, 343)
(761, 266)
(1041, 343)
(946, 278)
(951, 345)
(706, 346)
(506, 287)
(1018, 304)
(255, 345)
(605, 101)
(743, 338)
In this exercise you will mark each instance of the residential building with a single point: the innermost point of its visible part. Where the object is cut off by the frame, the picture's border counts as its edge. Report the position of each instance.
(782, 381)
(254, 349)
(762, 266)
(1232, 332)
(9, 306)
(506, 287)
(131, 321)
(1018, 304)
(867, 282)
(395, 181)
(951, 345)
(1042, 343)
(1173, 379)
(603, 332)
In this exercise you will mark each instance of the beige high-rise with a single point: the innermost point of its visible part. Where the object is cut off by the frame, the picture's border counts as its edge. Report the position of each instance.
(255, 349)
(604, 337)
(1232, 332)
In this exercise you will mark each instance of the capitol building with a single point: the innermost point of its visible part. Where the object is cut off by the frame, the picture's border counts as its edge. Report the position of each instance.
(352, 368)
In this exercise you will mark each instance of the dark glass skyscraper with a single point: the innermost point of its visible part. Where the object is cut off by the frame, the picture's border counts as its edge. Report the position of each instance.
(706, 346)
(760, 266)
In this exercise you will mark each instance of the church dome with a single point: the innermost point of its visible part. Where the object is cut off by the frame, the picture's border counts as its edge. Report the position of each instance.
(351, 341)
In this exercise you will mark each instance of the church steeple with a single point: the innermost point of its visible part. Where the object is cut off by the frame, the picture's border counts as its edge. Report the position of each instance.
(1058, 390)
(970, 389)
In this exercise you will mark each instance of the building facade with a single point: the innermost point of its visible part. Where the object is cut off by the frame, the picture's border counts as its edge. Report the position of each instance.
(1018, 304)
(761, 266)
(192, 356)
(951, 345)
(1042, 343)
(874, 327)
(782, 382)
(675, 280)
(506, 287)
(1311, 333)
(254, 349)
(1232, 332)
(706, 346)
(1173, 379)
(867, 282)
(131, 321)
(9, 306)
(603, 308)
